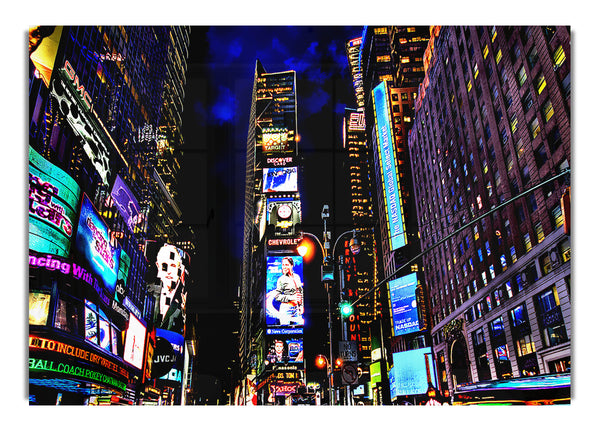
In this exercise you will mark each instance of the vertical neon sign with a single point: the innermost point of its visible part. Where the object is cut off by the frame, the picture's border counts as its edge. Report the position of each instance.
(387, 163)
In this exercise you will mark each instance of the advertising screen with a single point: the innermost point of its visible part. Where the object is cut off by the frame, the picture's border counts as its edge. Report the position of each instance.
(168, 355)
(93, 243)
(282, 350)
(387, 164)
(405, 314)
(412, 372)
(284, 291)
(284, 215)
(277, 180)
(53, 201)
(126, 203)
(170, 292)
(276, 141)
(122, 275)
(134, 342)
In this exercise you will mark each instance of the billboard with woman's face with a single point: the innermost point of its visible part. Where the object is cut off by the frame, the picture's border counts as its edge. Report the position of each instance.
(284, 291)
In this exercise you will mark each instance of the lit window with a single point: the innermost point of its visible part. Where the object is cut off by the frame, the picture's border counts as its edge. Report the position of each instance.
(559, 56)
(534, 127)
(539, 231)
(527, 242)
(486, 51)
(540, 83)
(498, 56)
(548, 110)
(513, 123)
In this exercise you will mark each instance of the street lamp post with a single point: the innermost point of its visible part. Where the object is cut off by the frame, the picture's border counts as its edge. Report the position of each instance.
(325, 246)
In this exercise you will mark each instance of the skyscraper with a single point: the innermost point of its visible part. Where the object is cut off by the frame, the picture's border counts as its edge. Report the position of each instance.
(96, 105)
(489, 151)
(271, 320)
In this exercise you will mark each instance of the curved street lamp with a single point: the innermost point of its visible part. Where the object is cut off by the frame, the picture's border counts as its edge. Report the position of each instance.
(302, 251)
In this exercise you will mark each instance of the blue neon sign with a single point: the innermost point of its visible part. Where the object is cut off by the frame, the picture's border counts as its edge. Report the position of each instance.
(387, 163)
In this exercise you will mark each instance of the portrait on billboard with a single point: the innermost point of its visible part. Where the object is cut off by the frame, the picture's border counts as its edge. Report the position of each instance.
(170, 292)
(284, 291)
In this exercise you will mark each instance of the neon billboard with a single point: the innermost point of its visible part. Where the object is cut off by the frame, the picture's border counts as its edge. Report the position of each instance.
(93, 243)
(284, 291)
(387, 164)
(53, 199)
(405, 315)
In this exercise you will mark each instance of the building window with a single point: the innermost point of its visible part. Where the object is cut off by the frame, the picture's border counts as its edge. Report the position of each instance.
(521, 76)
(532, 57)
(66, 317)
(551, 319)
(527, 242)
(558, 56)
(539, 231)
(540, 83)
(534, 127)
(548, 110)
(565, 250)
(525, 345)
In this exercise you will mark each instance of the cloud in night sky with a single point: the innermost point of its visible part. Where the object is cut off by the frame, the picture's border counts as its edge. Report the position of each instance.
(317, 54)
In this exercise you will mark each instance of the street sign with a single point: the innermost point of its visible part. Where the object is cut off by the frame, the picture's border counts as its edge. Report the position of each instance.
(348, 351)
(349, 373)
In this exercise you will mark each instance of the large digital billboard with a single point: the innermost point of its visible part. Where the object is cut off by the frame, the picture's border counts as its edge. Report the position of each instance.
(171, 293)
(286, 350)
(276, 180)
(93, 243)
(284, 291)
(53, 201)
(126, 203)
(284, 215)
(387, 164)
(135, 338)
(277, 140)
(412, 372)
(405, 315)
(168, 356)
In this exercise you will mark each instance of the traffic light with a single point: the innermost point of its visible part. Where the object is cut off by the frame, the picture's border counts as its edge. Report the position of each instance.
(339, 362)
(346, 309)
(327, 269)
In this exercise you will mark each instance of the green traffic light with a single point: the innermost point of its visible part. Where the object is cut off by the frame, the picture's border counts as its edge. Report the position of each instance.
(346, 309)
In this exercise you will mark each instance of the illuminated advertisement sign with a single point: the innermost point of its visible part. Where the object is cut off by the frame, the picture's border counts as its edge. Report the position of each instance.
(76, 353)
(75, 104)
(168, 356)
(405, 314)
(171, 292)
(284, 214)
(122, 275)
(43, 46)
(276, 180)
(412, 372)
(387, 164)
(93, 243)
(135, 338)
(284, 291)
(356, 121)
(289, 350)
(126, 203)
(53, 199)
(276, 141)
(280, 161)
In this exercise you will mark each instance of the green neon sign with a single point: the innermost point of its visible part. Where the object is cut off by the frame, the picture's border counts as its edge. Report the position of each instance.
(72, 370)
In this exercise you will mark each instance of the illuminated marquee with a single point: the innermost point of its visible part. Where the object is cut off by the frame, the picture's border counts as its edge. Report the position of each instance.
(53, 199)
(387, 164)
(73, 370)
(277, 141)
(75, 352)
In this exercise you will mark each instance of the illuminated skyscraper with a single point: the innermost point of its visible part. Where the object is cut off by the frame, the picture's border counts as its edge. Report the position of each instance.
(271, 223)
(489, 150)
(97, 102)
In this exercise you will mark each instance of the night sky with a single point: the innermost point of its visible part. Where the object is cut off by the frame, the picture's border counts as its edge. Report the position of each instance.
(215, 124)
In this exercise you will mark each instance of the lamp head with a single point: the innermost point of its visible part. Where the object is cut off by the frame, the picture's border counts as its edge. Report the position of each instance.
(354, 243)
